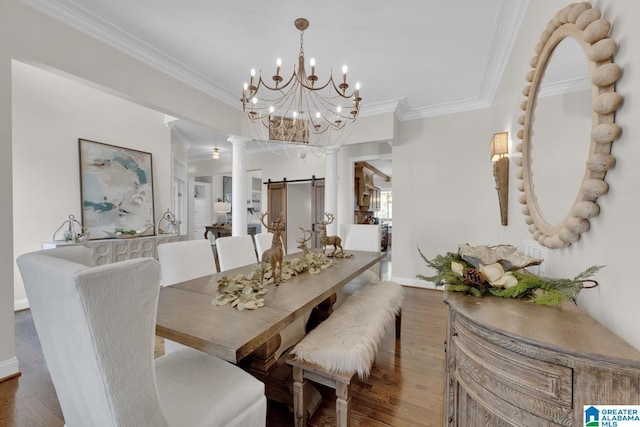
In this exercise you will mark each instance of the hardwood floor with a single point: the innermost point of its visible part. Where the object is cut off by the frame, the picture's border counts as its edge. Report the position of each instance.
(405, 387)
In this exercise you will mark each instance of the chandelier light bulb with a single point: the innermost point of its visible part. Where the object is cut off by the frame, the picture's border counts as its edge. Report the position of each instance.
(271, 109)
(254, 100)
(345, 69)
(295, 114)
(279, 62)
(357, 85)
(246, 86)
(253, 72)
(338, 109)
(317, 114)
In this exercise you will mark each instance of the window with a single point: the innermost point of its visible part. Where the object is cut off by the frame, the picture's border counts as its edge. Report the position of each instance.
(385, 212)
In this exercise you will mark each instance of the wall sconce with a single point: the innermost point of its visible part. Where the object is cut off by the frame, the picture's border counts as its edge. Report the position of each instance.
(221, 209)
(500, 159)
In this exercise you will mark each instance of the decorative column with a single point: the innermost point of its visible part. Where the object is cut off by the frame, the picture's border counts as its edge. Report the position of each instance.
(239, 186)
(331, 188)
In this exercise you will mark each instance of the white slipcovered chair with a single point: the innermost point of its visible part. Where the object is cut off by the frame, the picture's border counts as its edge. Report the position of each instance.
(190, 259)
(181, 261)
(263, 242)
(235, 251)
(363, 237)
(360, 237)
(96, 326)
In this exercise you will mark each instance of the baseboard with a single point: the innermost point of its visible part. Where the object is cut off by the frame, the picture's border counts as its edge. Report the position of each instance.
(415, 283)
(9, 368)
(21, 304)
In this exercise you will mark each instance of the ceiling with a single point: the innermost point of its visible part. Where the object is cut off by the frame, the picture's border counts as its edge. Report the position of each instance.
(415, 58)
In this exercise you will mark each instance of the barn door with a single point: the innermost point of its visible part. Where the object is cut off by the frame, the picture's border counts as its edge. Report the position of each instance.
(277, 205)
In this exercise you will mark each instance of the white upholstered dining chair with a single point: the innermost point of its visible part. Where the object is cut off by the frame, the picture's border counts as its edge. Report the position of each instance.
(96, 327)
(363, 237)
(263, 242)
(235, 251)
(181, 261)
(186, 260)
(360, 237)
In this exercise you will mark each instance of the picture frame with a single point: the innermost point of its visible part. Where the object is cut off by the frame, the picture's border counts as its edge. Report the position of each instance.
(116, 190)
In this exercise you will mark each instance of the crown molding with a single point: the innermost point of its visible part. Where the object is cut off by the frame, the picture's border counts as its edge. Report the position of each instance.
(564, 86)
(508, 21)
(81, 19)
(511, 13)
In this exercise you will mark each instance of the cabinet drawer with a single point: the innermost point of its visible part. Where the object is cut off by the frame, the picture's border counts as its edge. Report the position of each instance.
(538, 387)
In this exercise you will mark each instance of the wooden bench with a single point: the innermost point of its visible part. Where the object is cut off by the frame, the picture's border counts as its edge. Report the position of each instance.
(344, 345)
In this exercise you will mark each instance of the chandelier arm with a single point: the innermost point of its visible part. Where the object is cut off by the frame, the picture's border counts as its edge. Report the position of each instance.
(278, 87)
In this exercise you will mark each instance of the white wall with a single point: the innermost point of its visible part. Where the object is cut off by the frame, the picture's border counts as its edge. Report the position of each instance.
(445, 195)
(8, 361)
(32, 37)
(50, 113)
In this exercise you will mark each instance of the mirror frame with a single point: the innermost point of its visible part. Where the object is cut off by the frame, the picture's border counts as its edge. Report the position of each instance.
(585, 24)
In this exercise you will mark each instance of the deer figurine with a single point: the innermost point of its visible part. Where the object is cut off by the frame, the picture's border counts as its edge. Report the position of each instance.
(274, 254)
(302, 242)
(325, 240)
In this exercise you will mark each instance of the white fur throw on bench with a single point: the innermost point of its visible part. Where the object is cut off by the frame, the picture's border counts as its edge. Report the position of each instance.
(348, 340)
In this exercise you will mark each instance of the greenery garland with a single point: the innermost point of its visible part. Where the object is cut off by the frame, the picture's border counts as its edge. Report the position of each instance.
(537, 289)
(246, 291)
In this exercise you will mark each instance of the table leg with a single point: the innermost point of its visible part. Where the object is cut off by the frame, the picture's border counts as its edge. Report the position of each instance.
(278, 377)
(263, 359)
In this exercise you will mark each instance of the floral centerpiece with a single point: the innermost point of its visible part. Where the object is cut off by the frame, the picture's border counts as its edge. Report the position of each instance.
(246, 291)
(499, 271)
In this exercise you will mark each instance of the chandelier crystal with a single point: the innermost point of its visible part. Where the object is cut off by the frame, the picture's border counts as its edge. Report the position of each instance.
(300, 110)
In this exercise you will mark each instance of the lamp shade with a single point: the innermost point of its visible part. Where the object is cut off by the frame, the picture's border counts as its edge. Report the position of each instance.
(222, 207)
(499, 145)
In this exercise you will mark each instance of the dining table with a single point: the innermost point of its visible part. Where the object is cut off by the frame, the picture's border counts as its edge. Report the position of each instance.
(186, 313)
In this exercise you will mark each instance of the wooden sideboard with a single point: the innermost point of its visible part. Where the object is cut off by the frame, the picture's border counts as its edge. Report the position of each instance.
(107, 251)
(514, 363)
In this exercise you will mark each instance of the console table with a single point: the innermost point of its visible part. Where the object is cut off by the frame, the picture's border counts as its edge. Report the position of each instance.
(107, 251)
(514, 363)
(225, 230)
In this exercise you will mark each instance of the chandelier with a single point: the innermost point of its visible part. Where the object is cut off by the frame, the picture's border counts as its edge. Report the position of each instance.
(300, 110)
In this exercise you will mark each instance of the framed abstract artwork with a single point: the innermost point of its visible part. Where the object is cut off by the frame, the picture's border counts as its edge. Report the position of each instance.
(116, 190)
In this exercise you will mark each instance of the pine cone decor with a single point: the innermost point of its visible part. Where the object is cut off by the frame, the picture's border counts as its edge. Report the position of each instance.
(472, 276)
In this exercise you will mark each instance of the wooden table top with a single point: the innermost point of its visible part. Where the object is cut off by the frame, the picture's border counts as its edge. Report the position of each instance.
(186, 315)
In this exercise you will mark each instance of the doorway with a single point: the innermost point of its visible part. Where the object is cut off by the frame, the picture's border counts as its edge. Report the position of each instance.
(202, 208)
(301, 204)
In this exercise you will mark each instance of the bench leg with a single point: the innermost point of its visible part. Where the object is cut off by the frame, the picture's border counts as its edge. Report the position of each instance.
(398, 324)
(299, 398)
(343, 405)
